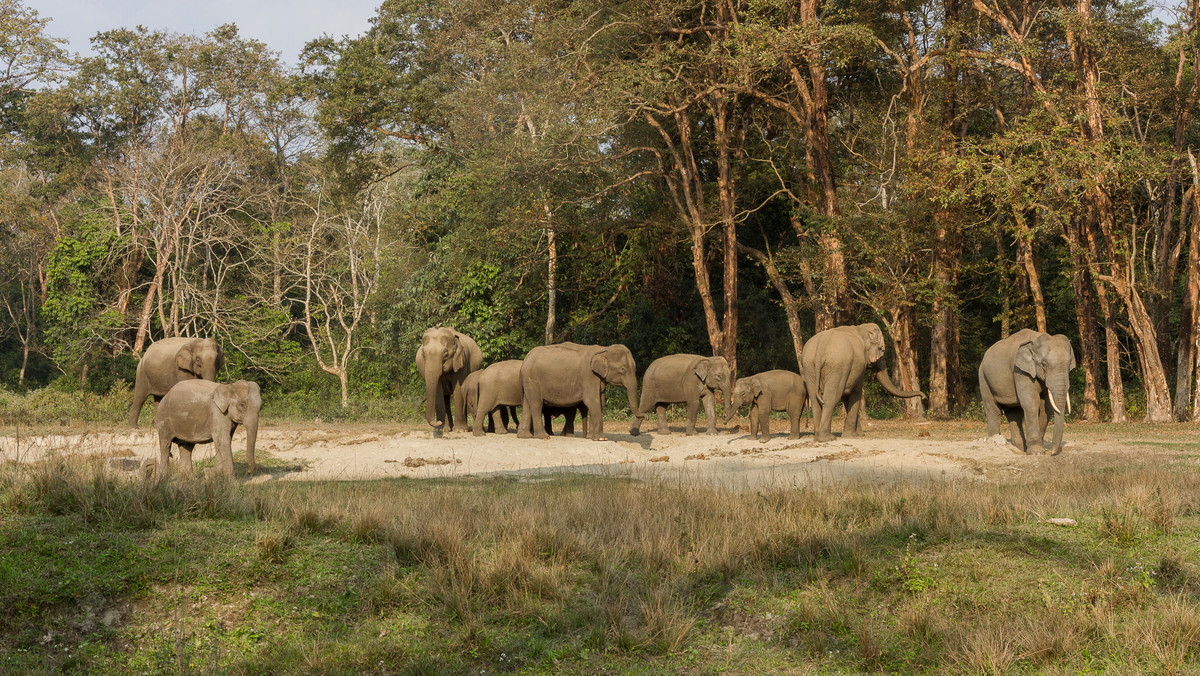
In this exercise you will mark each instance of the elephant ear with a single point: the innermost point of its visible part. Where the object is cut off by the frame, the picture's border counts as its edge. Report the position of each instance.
(702, 370)
(1027, 360)
(220, 398)
(183, 358)
(599, 364)
(220, 357)
(874, 343)
(458, 356)
(756, 387)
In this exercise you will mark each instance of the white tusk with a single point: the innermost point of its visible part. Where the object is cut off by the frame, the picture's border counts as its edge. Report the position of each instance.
(1068, 402)
(1054, 405)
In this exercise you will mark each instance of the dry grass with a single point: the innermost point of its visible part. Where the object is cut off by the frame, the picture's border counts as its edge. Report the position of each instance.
(863, 574)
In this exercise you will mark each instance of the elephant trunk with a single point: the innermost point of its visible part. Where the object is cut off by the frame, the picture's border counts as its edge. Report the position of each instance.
(251, 424)
(730, 411)
(433, 377)
(885, 380)
(1058, 392)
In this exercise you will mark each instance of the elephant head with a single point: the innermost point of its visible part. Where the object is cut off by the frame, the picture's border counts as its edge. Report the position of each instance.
(441, 352)
(874, 348)
(202, 358)
(744, 392)
(241, 402)
(614, 365)
(1048, 360)
(714, 373)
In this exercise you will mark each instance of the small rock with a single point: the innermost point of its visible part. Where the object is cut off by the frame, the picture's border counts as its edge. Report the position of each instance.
(923, 433)
(1062, 522)
(661, 458)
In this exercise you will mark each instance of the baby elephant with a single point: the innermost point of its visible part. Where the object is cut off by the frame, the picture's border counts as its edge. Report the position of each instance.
(766, 392)
(201, 411)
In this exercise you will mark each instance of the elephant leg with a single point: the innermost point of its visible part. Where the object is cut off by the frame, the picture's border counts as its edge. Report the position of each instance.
(448, 407)
(568, 429)
(693, 410)
(710, 410)
(594, 402)
(583, 417)
(753, 420)
(1017, 427)
(185, 458)
(991, 409)
(535, 407)
(223, 444)
(548, 421)
(854, 406)
(1033, 411)
(505, 416)
(164, 453)
(831, 393)
(1044, 414)
(795, 406)
(765, 403)
(460, 405)
(525, 426)
(660, 412)
(498, 420)
(140, 392)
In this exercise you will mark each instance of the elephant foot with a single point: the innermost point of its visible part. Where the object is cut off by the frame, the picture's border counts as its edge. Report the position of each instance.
(764, 439)
(794, 436)
(502, 430)
(711, 431)
(823, 437)
(690, 433)
(522, 434)
(477, 434)
(633, 431)
(663, 429)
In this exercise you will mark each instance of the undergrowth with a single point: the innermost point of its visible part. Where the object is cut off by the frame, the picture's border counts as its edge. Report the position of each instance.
(101, 573)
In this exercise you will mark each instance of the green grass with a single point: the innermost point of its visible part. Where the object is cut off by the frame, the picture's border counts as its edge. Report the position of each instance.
(103, 574)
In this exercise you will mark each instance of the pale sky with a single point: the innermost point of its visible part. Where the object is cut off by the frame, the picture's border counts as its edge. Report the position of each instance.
(284, 25)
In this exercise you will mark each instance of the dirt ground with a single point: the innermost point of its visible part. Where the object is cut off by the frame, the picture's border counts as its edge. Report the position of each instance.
(888, 450)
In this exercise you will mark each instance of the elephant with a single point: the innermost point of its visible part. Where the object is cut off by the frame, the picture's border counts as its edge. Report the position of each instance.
(685, 379)
(766, 392)
(569, 374)
(1027, 377)
(834, 363)
(170, 361)
(201, 411)
(445, 359)
(497, 389)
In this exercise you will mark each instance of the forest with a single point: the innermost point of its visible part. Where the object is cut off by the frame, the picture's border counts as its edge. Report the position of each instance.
(711, 176)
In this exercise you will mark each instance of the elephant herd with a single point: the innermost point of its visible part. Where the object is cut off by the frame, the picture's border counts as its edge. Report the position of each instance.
(1024, 376)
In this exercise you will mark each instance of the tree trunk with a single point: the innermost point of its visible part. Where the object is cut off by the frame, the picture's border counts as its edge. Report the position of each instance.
(1116, 384)
(722, 124)
(1025, 256)
(551, 284)
(1185, 356)
(902, 329)
(1089, 339)
(790, 305)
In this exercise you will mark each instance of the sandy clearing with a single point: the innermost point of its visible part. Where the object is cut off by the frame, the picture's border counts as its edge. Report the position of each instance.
(360, 452)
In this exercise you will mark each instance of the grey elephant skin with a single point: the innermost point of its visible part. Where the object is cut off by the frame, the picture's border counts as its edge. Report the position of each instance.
(170, 361)
(445, 359)
(769, 391)
(1027, 377)
(834, 364)
(684, 379)
(569, 374)
(201, 412)
(496, 390)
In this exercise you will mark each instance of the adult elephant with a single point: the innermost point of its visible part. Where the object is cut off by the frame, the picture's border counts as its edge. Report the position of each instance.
(200, 412)
(1027, 376)
(444, 360)
(495, 391)
(569, 374)
(834, 363)
(173, 360)
(684, 379)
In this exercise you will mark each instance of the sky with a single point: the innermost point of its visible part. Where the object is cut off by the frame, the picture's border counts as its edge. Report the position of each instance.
(284, 25)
